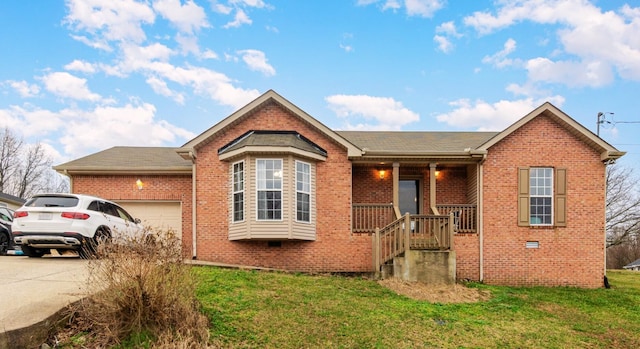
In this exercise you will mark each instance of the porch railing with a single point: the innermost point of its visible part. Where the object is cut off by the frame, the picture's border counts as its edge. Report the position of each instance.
(416, 232)
(366, 217)
(464, 216)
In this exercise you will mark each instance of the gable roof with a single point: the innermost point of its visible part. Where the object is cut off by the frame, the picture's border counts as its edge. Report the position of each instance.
(122, 160)
(632, 264)
(11, 199)
(606, 150)
(188, 149)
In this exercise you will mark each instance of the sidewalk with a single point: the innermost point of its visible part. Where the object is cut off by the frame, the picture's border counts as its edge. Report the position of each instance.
(34, 289)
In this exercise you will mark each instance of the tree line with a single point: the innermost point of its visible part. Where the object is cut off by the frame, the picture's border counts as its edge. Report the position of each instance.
(25, 169)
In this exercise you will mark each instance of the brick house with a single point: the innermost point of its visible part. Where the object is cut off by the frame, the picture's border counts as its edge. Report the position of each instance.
(270, 186)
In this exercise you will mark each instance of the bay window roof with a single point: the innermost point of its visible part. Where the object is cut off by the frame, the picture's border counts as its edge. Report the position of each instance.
(272, 142)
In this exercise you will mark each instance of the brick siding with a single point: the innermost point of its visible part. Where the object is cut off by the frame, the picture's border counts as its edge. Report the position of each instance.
(156, 187)
(567, 256)
(335, 248)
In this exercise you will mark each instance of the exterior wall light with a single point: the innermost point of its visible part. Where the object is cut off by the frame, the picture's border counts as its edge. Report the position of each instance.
(437, 174)
(382, 173)
(139, 184)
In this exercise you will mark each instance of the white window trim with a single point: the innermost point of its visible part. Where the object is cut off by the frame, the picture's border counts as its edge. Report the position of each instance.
(304, 192)
(551, 196)
(282, 199)
(234, 192)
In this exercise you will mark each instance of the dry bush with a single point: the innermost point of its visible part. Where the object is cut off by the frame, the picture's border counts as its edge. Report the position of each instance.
(146, 289)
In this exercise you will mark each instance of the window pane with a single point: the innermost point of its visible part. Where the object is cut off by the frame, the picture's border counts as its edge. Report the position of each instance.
(541, 195)
(303, 189)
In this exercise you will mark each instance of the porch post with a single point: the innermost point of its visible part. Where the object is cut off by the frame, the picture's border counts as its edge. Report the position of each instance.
(432, 188)
(407, 235)
(376, 253)
(396, 188)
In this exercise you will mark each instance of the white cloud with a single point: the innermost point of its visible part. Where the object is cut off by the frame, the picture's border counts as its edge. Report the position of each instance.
(448, 28)
(118, 126)
(63, 84)
(119, 20)
(187, 18)
(137, 58)
(423, 8)
(499, 59)
(96, 43)
(257, 61)
(444, 44)
(81, 66)
(24, 89)
(571, 73)
(160, 87)
(188, 44)
(240, 19)
(597, 41)
(208, 54)
(485, 116)
(371, 113)
(249, 3)
(205, 82)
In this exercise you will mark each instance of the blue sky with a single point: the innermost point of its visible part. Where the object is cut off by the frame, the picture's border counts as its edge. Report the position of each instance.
(81, 76)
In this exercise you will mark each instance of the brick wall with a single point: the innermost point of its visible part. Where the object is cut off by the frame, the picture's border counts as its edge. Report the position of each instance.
(567, 256)
(335, 248)
(168, 188)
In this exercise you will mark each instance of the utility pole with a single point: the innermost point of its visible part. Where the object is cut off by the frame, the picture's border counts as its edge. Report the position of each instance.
(601, 120)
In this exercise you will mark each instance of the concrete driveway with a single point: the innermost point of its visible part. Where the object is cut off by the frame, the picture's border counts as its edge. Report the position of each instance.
(34, 289)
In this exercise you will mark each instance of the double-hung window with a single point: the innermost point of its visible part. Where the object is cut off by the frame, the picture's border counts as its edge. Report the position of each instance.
(238, 191)
(542, 196)
(269, 189)
(303, 191)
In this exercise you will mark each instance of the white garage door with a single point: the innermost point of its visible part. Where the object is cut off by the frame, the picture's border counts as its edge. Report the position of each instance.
(156, 214)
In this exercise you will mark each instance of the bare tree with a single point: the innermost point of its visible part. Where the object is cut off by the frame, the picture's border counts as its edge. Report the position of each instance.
(9, 157)
(26, 169)
(622, 206)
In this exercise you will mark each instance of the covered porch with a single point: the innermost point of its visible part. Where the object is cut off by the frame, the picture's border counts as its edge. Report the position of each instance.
(414, 206)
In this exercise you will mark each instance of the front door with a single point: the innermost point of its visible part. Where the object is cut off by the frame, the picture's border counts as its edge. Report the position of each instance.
(409, 196)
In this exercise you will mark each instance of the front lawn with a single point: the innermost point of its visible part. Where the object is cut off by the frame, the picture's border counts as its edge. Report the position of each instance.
(278, 310)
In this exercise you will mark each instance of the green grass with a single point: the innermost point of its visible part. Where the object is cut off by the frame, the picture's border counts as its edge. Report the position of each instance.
(252, 309)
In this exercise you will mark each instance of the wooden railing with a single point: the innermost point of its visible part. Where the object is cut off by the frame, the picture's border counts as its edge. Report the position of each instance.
(417, 232)
(465, 216)
(368, 217)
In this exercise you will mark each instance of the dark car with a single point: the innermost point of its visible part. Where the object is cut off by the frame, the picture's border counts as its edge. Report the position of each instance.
(6, 238)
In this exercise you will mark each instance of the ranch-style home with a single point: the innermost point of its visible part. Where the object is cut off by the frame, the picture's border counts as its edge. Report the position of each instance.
(271, 186)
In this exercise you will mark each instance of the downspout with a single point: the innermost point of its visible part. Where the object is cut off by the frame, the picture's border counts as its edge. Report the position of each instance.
(481, 214)
(193, 206)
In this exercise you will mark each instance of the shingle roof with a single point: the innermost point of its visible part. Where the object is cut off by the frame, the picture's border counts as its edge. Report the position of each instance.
(11, 198)
(273, 139)
(130, 159)
(416, 142)
(633, 264)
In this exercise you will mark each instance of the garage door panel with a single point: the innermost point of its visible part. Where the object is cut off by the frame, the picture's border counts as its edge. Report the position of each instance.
(157, 215)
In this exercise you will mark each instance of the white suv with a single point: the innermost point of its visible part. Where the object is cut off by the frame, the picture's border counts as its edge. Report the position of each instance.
(69, 222)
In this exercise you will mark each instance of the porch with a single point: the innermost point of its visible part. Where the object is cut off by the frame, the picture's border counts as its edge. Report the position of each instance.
(419, 221)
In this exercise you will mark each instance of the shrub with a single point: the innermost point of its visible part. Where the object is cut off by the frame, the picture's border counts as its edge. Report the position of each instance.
(142, 289)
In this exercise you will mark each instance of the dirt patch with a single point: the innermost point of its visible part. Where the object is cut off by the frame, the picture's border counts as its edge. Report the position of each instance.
(436, 293)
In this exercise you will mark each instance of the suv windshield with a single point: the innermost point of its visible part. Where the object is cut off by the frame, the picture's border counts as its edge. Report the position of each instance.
(52, 201)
